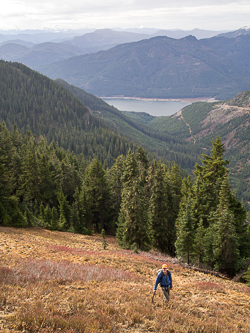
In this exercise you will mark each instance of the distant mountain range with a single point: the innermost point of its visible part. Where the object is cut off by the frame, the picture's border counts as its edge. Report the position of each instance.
(45, 48)
(135, 64)
(162, 67)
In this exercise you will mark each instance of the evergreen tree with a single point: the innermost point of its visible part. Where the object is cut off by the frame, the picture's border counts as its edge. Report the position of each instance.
(82, 221)
(134, 211)
(199, 246)
(185, 240)
(64, 211)
(98, 195)
(246, 276)
(114, 178)
(47, 216)
(133, 224)
(104, 242)
(209, 177)
(225, 243)
(159, 217)
(54, 219)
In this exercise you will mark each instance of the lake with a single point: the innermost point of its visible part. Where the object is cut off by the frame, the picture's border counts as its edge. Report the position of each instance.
(155, 108)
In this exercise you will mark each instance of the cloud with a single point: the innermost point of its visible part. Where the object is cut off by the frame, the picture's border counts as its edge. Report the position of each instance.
(163, 14)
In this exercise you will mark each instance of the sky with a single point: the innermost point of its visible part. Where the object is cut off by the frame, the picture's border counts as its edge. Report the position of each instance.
(214, 15)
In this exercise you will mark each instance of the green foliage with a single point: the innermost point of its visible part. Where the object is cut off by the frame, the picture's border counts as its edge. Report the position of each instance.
(211, 223)
(104, 242)
(185, 240)
(161, 143)
(246, 276)
(159, 212)
(98, 195)
(133, 222)
(35, 103)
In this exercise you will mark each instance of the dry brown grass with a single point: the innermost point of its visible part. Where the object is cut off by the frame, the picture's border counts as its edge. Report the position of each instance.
(62, 282)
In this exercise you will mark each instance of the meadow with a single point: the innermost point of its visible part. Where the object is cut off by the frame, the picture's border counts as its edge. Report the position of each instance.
(64, 282)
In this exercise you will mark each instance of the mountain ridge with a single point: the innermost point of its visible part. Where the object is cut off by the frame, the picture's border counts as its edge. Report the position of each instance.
(161, 67)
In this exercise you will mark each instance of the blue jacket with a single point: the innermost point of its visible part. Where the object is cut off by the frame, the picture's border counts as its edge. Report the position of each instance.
(164, 280)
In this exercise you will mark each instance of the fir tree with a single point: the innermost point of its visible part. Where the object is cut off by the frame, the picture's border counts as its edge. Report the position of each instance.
(133, 224)
(134, 212)
(159, 216)
(185, 240)
(64, 211)
(199, 246)
(104, 242)
(98, 195)
(246, 276)
(225, 243)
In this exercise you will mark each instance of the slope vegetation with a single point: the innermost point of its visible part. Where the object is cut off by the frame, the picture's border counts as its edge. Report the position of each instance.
(202, 122)
(52, 281)
(35, 103)
(167, 146)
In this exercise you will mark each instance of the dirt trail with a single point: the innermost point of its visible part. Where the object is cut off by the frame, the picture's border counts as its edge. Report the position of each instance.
(187, 124)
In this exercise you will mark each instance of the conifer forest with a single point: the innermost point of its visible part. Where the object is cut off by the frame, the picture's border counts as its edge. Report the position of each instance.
(71, 171)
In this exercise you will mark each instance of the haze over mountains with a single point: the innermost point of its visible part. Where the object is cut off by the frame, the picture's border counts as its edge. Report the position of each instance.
(125, 63)
(45, 48)
(162, 67)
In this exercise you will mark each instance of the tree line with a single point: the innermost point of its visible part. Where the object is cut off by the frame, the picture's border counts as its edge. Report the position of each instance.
(144, 202)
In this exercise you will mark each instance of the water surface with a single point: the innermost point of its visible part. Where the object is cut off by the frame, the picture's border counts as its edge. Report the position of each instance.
(155, 108)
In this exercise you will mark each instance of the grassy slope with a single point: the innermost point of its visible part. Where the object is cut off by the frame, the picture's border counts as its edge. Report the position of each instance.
(83, 288)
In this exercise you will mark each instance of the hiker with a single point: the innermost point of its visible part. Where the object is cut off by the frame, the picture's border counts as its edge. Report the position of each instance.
(165, 279)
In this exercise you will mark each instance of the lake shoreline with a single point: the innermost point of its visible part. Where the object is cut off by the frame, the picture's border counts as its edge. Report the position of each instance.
(186, 100)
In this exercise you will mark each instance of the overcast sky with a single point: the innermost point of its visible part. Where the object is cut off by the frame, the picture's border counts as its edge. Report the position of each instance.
(160, 14)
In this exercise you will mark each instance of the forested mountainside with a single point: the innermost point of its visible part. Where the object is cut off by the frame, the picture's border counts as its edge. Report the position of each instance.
(45, 185)
(36, 103)
(201, 122)
(168, 147)
(148, 205)
(162, 67)
(145, 202)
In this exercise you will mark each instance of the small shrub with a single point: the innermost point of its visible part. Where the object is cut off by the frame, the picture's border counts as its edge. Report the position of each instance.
(104, 242)
(134, 248)
(246, 276)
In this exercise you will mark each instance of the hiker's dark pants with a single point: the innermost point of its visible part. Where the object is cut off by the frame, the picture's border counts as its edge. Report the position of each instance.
(165, 291)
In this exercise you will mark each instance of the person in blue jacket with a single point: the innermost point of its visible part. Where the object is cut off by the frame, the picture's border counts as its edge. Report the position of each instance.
(165, 279)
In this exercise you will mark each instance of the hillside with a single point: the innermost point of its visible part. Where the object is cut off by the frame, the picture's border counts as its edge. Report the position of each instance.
(52, 47)
(39, 54)
(202, 122)
(161, 67)
(49, 52)
(54, 281)
(35, 103)
(170, 147)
